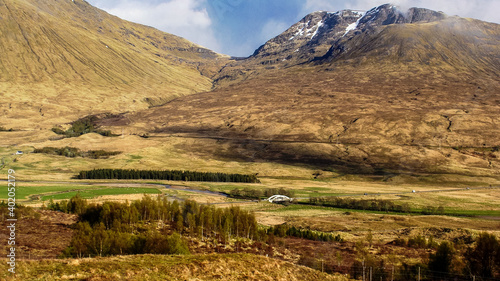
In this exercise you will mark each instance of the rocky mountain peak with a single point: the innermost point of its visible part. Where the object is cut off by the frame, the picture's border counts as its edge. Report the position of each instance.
(390, 14)
(314, 29)
(313, 35)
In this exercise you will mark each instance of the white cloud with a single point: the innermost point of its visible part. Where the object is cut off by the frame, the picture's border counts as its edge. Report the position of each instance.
(185, 18)
(486, 10)
(322, 5)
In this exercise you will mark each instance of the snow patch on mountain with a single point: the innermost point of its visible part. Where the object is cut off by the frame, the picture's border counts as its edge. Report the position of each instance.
(304, 30)
(300, 30)
(354, 25)
(317, 27)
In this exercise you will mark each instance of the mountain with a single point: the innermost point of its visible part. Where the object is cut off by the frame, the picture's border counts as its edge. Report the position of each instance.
(63, 59)
(311, 36)
(382, 33)
(384, 91)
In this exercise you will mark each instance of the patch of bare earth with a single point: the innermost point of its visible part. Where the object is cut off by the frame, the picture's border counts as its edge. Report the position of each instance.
(40, 238)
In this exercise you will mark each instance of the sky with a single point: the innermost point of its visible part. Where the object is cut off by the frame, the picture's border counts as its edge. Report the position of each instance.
(239, 27)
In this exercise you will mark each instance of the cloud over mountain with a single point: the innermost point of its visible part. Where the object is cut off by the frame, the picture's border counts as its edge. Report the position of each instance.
(185, 18)
(480, 9)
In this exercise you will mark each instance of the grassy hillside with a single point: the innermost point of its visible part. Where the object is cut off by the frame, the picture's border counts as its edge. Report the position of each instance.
(158, 267)
(62, 60)
(354, 120)
(408, 98)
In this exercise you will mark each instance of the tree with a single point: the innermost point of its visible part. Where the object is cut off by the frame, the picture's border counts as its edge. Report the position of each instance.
(81, 239)
(120, 242)
(440, 262)
(156, 243)
(361, 250)
(100, 240)
(133, 215)
(483, 259)
(227, 226)
(179, 223)
(369, 238)
(177, 246)
(191, 222)
(339, 258)
(77, 204)
(411, 272)
(106, 215)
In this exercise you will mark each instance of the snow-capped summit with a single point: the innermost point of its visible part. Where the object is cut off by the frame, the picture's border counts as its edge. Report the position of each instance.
(317, 32)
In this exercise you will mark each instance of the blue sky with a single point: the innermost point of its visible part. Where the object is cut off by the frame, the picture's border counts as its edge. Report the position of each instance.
(238, 27)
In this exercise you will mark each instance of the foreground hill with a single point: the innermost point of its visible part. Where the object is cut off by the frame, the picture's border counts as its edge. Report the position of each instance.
(159, 267)
(61, 59)
(396, 95)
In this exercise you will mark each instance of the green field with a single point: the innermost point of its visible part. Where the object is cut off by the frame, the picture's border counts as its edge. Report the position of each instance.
(23, 192)
(102, 192)
(59, 192)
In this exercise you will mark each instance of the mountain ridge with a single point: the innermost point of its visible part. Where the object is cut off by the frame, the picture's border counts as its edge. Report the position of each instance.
(328, 27)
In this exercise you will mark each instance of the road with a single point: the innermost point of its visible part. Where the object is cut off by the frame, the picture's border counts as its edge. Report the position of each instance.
(194, 190)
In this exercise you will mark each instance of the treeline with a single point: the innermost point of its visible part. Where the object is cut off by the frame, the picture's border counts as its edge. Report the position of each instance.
(82, 126)
(99, 241)
(20, 211)
(478, 262)
(372, 205)
(120, 228)
(75, 152)
(468, 258)
(284, 230)
(418, 242)
(252, 193)
(75, 205)
(172, 175)
(184, 217)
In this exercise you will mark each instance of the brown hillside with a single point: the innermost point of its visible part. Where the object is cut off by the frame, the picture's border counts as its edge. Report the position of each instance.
(408, 98)
(60, 60)
(158, 267)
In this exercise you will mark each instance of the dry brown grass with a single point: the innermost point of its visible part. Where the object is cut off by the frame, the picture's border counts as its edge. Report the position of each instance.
(138, 153)
(156, 267)
(43, 238)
